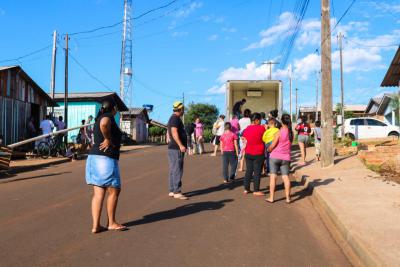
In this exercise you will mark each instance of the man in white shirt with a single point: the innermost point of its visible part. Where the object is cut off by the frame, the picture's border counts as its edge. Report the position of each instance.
(46, 125)
(220, 128)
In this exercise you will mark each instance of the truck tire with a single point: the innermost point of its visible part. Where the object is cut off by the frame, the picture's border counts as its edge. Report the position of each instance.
(351, 136)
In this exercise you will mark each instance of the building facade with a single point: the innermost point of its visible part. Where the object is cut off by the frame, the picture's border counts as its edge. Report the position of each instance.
(20, 99)
(135, 122)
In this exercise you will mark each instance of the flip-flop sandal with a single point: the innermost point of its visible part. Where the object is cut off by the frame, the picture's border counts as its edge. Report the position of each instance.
(101, 229)
(269, 201)
(288, 202)
(246, 192)
(119, 228)
(259, 194)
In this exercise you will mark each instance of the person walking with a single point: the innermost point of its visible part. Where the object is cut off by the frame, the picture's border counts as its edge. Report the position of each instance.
(254, 154)
(177, 145)
(199, 132)
(230, 153)
(303, 133)
(237, 107)
(280, 155)
(317, 133)
(219, 131)
(243, 124)
(102, 169)
(191, 138)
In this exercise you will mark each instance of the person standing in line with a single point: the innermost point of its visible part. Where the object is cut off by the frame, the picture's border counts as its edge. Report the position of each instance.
(60, 125)
(89, 130)
(32, 132)
(273, 114)
(46, 125)
(280, 155)
(303, 133)
(177, 146)
(199, 131)
(235, 125)
(190, 137)
(219, 131)
(263, 119)
(237, 108)
(102, 169)
(254, 154)
(268, 137)
(317, 133)
(243, 124)
(230, 152)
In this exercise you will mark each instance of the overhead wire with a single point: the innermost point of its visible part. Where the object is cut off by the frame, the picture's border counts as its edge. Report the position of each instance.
(27, 55)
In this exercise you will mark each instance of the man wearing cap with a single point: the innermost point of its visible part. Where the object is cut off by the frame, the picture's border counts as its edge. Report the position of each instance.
(177, 145)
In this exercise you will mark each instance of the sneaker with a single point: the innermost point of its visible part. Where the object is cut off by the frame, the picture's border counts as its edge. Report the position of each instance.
(171, 194)
(180, 196)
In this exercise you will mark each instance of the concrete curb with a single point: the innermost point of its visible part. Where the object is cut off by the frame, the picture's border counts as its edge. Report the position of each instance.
(353, 247)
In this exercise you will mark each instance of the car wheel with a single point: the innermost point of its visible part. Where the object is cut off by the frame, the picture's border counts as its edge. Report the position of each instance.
(394, 134)
(351, 136)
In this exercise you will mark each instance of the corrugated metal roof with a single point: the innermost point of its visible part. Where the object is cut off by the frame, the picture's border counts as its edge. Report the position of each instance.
(92, 96)
(360, 108)
(7, 67)
(392, 77)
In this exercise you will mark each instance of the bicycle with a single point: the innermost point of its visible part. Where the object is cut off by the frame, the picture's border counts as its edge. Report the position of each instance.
(52, 146)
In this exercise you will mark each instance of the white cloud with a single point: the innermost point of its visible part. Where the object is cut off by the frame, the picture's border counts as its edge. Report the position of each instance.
(179, 34)
(217, 89)
(229, 30)
(186, 11)
(385, 7)
(213, 37)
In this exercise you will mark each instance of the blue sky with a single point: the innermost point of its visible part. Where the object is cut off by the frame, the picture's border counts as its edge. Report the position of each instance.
(195, 46)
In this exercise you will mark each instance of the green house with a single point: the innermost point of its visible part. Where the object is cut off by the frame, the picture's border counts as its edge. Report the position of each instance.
(83, 105)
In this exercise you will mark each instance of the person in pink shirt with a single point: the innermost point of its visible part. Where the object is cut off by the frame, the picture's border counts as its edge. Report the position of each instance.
(199, 131)
(230, 152)
(280, 156)
(235, 125)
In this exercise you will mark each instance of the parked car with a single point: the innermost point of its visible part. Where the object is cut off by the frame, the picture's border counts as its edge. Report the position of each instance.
(364, 128)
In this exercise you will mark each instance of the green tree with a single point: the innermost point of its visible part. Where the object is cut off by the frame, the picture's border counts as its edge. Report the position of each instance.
(395, 103)
(156, 131)
(206, 112)
(347, 114)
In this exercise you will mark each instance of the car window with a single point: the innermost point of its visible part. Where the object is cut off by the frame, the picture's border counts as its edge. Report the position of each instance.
(357, 122)
(372, 122)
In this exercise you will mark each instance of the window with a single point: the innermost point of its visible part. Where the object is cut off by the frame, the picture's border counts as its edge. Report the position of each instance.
(372, 122)
(358, 122)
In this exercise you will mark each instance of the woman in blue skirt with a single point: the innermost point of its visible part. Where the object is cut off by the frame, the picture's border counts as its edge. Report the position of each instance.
(102, 170)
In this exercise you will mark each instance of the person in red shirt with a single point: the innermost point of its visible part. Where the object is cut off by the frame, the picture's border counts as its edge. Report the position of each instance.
(230, 152)
(303, 133)
(254, 154)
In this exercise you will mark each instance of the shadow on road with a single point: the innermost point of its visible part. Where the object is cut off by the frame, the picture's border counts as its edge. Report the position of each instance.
(217, 188)
(31, 177)
(181, 211)
(307, 191)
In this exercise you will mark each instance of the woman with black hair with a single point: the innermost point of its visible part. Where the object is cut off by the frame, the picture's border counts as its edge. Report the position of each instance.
(102, 170)
(254, 154)
(303, 134)
(280, 156)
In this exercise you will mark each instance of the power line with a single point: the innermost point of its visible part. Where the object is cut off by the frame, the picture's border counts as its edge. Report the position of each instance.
(119, 23)
(90, 74)
(27, 55)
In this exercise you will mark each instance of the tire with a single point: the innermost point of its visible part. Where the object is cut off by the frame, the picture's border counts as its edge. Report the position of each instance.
(43, 150)
(394, 134)
(351, 136)
(62, 150)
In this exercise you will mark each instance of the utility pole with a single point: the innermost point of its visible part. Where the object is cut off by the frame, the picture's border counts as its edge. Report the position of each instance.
(290, 92)
(53, 69)
(297, 89)
(341, 81)
(183, 102)
(270, 63)
(316, 100)
(326, 84)
(66, 88)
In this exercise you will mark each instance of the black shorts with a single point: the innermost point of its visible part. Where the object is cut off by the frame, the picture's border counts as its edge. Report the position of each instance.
(217, 140)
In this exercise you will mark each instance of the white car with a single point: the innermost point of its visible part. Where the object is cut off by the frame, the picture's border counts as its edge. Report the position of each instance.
(364, 128)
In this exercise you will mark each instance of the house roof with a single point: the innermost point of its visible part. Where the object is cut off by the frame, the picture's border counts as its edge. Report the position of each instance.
(378, 105)
(392, 77)
(159, 124)
(135, 112)
(36, 87)
(92, 96)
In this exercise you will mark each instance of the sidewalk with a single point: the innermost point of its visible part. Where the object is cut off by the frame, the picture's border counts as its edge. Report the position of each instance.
(361, 210)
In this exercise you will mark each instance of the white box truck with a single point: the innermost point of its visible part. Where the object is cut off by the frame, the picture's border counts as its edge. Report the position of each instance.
(260, 95)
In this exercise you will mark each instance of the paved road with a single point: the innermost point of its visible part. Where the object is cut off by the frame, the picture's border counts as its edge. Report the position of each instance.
(45, 221)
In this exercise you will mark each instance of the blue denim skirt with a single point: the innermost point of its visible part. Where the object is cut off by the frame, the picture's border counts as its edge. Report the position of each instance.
(102, 171)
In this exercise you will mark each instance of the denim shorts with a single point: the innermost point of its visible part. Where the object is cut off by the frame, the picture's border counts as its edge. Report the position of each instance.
(301, 138)
(102, 171)
(276, 164)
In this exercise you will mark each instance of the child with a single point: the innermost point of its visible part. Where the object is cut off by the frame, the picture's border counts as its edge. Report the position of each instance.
(316, 132)
(268, 137)
(230, 151)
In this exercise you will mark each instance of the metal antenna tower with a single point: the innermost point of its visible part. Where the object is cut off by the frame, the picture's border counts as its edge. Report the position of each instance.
(125, 83)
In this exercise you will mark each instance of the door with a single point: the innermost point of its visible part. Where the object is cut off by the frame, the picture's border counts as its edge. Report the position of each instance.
(376, 129)
(358, 127)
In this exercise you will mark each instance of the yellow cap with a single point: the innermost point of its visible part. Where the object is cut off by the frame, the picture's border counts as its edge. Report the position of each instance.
(177, 105)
